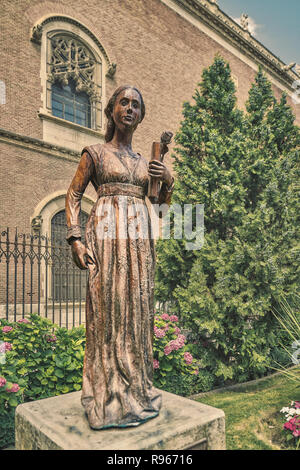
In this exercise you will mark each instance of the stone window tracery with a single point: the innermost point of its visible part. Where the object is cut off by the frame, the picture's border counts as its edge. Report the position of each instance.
(72, 74)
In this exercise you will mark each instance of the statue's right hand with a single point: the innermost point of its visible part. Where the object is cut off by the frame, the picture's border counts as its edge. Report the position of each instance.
(79, 252)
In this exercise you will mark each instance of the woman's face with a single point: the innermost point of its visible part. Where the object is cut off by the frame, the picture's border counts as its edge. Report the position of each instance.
(127, 109)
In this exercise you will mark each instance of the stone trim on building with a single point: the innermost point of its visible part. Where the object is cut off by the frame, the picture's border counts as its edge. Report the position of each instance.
(51, 205)
(37, 33)
(38, 146)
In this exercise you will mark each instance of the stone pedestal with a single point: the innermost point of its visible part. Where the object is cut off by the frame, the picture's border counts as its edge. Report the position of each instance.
(60, 423)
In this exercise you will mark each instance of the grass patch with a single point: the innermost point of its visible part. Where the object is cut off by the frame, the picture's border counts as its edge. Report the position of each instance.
(253, 418)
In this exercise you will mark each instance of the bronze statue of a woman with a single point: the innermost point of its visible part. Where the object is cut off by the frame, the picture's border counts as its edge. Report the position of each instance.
(117, 388)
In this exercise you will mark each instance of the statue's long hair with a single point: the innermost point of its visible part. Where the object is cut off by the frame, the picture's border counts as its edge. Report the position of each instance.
(110, 127)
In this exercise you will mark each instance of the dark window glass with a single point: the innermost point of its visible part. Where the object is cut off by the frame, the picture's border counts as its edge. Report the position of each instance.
(68, 282)
(70, 105)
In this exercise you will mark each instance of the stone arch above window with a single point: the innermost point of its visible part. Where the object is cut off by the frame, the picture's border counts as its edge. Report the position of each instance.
(72, 56)
(39, 28)
(49, 207)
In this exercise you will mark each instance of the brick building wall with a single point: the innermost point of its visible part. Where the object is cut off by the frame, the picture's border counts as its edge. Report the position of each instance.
(155, 49)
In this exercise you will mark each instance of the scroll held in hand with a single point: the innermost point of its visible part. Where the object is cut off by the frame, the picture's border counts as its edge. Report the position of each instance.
(158, 151)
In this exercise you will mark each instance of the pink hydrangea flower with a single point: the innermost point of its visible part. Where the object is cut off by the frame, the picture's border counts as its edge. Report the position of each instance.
(159, 332)
(23, 320)
(175, 344)
(5, 347)
(167, 350)
(51, 339)
(196, 371)
(165, 317)
(155, 364)
(173, 318)
(6, 329)
(177, 330)
(188, 358)
(14, 389)
(181, 339)
(2, 381)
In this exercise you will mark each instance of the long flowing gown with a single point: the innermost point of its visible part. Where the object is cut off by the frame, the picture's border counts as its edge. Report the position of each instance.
(117, 388)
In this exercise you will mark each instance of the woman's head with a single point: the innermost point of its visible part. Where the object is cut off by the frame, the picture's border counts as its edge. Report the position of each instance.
(110, 109)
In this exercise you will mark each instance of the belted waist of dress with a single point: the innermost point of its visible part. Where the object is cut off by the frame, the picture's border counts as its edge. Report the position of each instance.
(121, 189)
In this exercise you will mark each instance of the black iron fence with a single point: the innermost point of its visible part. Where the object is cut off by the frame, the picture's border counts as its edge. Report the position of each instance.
(39, 276)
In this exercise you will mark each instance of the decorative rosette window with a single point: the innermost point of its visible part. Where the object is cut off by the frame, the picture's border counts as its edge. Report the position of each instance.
(74, 81)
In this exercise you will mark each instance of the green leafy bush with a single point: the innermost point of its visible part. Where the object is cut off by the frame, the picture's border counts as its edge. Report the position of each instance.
(38, 360)
(176, 370)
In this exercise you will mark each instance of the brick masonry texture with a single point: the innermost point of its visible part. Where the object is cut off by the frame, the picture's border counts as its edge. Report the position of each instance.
(155, 49)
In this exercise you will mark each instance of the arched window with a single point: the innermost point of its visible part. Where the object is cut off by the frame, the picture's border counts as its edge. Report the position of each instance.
(68, 282)
(59, 224)
(75, 94)
(74, 70)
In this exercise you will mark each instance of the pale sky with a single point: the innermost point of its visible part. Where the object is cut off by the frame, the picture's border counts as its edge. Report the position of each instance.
(275, 23)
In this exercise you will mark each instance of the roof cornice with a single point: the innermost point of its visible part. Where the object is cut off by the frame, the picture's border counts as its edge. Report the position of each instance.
(213, 17)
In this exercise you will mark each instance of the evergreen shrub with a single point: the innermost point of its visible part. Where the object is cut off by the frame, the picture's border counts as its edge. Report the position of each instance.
(244, 167)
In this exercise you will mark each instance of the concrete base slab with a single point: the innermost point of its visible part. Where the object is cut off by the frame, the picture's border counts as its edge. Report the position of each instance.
(60, 423)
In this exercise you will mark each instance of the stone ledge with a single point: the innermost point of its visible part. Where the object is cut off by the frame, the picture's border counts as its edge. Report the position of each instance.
(60, 423)
(37, 145)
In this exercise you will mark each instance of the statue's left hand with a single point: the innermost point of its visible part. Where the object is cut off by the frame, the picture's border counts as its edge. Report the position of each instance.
(159, 170)
(80, 255)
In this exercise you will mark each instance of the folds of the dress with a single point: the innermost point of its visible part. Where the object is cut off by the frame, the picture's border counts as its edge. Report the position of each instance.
(118, 365)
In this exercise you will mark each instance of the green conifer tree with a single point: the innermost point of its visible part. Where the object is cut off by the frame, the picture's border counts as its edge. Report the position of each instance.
(244, 169)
